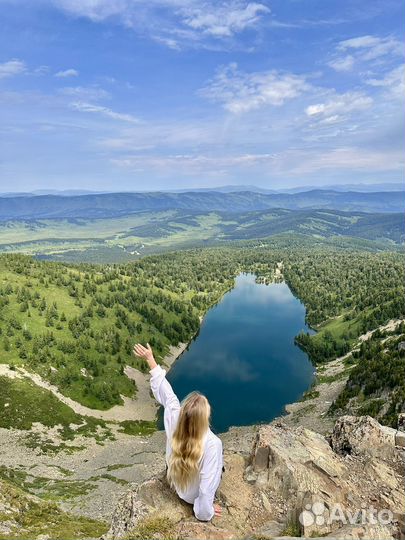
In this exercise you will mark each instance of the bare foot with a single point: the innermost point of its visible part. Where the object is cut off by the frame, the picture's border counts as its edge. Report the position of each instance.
(217, 510)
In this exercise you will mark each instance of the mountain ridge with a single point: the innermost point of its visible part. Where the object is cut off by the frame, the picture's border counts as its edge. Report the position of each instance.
(120, 204)
(227, 188)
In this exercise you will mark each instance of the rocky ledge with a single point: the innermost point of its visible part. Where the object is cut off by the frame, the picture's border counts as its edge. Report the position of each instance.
(283, 481)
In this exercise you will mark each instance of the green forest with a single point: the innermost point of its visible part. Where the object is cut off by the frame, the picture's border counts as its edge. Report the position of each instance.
(75, 324)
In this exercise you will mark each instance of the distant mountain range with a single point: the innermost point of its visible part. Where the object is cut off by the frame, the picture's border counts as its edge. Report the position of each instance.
(362, 188)
(232, 188)
(119, 204)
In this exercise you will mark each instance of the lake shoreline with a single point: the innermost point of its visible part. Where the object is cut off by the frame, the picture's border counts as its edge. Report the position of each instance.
(292, 409)
(175, 351)
(141, 406)
(268, 304)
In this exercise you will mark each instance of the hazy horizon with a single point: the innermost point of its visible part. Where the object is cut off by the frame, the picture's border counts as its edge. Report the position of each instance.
(361, 187)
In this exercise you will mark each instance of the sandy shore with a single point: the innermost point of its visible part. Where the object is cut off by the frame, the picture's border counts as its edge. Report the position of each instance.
(174, 353)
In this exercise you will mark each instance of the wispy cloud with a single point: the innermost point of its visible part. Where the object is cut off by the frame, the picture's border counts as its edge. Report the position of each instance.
(372, 47)
(346, 63)
(344, 158)
(198, 161)
(290, 162)
(364, 49)
(241, 92)
(67, 73)
(96, 10)
(174, 23)
(393, 81)
(224, 20)
(82, 106)
(11, 68)
(273, 114)
(340, 104)
(85, 93)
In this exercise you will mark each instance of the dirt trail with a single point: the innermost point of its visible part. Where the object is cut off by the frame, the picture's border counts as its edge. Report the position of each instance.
(143, 407)
(390, 326)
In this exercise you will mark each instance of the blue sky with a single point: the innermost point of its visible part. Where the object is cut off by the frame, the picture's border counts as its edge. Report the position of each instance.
(161, 94)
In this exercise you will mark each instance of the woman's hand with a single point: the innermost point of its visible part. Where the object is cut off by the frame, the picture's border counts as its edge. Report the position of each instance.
(217, 510)
(145, 352)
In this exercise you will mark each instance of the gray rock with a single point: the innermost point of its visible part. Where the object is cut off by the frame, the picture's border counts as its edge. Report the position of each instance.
(355, 435)
(293, 474)
(400, 439)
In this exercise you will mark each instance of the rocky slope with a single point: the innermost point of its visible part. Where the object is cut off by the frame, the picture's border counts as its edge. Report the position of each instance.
(25, 516)
(285, 481)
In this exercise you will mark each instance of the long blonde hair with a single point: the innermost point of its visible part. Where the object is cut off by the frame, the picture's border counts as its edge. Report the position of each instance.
(187, 440)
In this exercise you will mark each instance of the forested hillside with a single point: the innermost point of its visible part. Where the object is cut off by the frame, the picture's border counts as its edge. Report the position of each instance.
(129, 237)
(346, 295)
(76, 325)
(376, 384)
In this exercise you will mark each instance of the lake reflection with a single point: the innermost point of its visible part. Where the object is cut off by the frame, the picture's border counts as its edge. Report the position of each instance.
(244, 358)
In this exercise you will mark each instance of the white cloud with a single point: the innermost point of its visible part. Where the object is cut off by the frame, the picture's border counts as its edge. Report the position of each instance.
(175, 23)
(105, 111)
(96, 10)
(41, 70)
(224, 20)
(241, 92)
(169, 42)
(164, 134)
(340, 104)
(372, 47)
(67, 73)
(12, 68)
(394, 81)
(342, 64)
(85, 93)
(365, 49)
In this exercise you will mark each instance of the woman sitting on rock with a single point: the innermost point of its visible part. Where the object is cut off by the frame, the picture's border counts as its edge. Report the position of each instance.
(193, 452)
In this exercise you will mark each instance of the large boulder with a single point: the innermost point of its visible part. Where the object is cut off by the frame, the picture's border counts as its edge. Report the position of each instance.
(362, 435)
(324, 483)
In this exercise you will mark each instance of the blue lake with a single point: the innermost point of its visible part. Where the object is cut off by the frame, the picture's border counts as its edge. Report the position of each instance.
(244, 358)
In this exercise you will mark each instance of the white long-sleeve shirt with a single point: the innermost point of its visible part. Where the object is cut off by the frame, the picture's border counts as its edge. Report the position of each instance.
(201, 493)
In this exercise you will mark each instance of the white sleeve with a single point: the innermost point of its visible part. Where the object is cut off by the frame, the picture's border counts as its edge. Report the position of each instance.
(210, 477)
(164, 394)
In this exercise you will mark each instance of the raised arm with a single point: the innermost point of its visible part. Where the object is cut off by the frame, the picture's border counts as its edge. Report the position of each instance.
(146, 353)
(161, 388)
